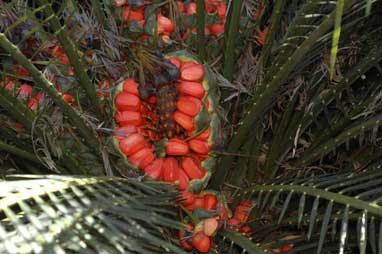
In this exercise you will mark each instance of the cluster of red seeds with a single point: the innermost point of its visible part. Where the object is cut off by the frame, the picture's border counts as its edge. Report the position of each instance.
(138, 134)
(200, 237)
(26, 92)
(165, 26)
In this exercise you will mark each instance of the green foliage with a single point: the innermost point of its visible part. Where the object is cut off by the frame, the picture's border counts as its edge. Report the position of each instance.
(59, 214)
(303, 117)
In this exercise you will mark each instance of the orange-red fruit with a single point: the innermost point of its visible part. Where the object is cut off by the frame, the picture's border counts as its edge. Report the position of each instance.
(194, 89)
(155, 169)
(133, 143)
(170, 170)
(123, 132)
(210, 202)
(176, 147)
(193, 170)
(217, 29)
(221, 211)
(187, 198)
(191, 8)
(193, 72)
(209, 226)
(199, 146)
(286, 248)
(198, 203)
(25, 90)
(183, 180)
(185, 121)
(129, 14)
(185, 244)
(202, 136)
(181, 6)
(175, 61)
(67, 97)
(201, 242)
(234, 223)
(130, 86)
(221, 11)
(165, 25)
(142, 158)
(128, 118)
(247, 230)
(127, 102)
(188, 105)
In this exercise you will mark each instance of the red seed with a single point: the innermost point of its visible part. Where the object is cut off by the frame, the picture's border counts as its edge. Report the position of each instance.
(127, 102)
(129, 14)
(187, 198)
(187, 122)
(221, 11)
(193, 170)
(132, 144)
(183, 180)
(221, 211)
(217, 29)
(155, 169)
(171, 170)
(142, 158)
(25, 90)
(181, 6)
(204, 136)
(165, 25)
(130, 86)
(123, 132)
(175, 61)
(128, 118)
(210, 226)
(286, 248)
(189, 105)
(194, 89)
(201, 242)
(210, 202)
(192, 73)
(199, 146)
(187, 64)
(234, 223)
(176, 147)
(198, 203)
(67, 97)
(183, 233)
(191, 8)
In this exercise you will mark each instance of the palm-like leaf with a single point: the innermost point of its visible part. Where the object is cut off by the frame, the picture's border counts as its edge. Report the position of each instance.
(319, 205)
(58, 214)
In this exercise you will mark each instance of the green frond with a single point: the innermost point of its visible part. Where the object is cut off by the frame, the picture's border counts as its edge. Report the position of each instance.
(318, 203)
(67, 214)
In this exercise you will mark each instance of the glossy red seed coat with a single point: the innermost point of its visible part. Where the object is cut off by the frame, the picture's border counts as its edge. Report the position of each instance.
(193, 170)
(142, 158)
(189, 105)
(194, 89)
(176, 147)
(171, 170)
(127, 102)
(201, 242)
(199, 146)
(155, 169)
(193, 73)
(128, 118)
(133, 143)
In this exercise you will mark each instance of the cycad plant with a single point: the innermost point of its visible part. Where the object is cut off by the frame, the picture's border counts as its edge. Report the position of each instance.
(300, 114)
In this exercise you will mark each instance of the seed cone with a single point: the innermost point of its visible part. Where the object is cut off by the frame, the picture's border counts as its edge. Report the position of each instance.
(165, 106)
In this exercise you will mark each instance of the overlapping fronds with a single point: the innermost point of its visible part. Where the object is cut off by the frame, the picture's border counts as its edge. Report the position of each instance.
(62, 214)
